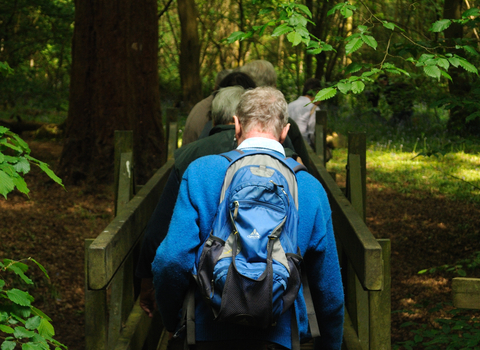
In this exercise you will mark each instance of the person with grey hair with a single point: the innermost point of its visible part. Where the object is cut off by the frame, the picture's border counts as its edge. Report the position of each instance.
(260, 123)
(262, 72)
(225, 103)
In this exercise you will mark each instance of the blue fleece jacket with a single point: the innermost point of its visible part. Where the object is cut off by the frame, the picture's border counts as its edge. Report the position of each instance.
(191, 223)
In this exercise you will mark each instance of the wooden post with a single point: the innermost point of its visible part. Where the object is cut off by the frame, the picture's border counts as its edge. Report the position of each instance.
(321, 135)
(357, 297)
(172, 117)
(95, 312)
(123, 144)
(357, 145)
(381, 305)
(466, 292)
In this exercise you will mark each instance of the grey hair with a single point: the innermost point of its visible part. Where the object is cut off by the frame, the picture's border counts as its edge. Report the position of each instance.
(222, 74)
(264, 109)
(225, 103)
(262, 72)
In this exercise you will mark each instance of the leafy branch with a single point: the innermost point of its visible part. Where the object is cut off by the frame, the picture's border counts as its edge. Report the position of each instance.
(21, 322)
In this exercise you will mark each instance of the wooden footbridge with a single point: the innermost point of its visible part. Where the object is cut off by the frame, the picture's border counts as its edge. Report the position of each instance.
(113, 317)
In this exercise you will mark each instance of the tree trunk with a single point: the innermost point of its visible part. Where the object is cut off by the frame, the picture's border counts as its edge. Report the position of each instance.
(189, 53)
(460, 84)
(114, 86)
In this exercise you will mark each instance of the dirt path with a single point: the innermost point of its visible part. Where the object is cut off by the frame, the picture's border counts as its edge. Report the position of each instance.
(51, 227)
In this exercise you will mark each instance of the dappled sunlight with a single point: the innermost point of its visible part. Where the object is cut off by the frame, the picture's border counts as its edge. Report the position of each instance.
(17, 206)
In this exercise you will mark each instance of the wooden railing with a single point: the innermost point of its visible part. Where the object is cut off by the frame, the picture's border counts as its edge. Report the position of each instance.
(113, 317)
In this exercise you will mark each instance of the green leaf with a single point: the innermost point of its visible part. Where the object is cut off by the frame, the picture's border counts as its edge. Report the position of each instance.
(468, 66)
(441, 25)
(325, 94)
(6, 184)
(346, 12)
(353, 45)
(432, 71)
(40, 313)
(473, 116)
(474, 11)
(21, 332)
(461, 272)
(370, 41)
(388, 25)
(6, 329)
(358, 87)
(353, 67)
(19, 297)
(19, 271)
(443, 63)
(2, 284)
(33, 346)
(33, 322)
(3, 130)
(454, 61)
(335, 8)
(22, 166)
(40, 266)
(46, 329)
(304, 9)
(344, 87)
(445, 74)
(8, 345)
(265, 11)
(236, 36)
(418, 338)
(295, 38)
(471, 50)
(50, 173)
(362, 29)
(21, 185)
(282, 29)
(22, 144)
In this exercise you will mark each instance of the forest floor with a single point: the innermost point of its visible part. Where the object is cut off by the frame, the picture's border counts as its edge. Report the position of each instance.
(52, 224)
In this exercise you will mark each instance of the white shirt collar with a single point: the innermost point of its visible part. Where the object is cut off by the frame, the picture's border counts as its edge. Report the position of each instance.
(262, 142)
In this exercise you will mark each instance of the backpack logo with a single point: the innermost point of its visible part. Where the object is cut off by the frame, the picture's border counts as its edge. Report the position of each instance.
(254, 235)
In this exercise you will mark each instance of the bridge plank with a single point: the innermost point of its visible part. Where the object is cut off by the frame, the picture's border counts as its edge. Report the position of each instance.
(466, 292)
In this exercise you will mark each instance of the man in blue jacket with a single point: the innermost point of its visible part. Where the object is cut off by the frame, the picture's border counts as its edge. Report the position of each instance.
(260, 123)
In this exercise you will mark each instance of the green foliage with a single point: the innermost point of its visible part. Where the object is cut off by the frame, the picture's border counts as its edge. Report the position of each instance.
(15, 162)
(460, 267)
(20, 322)
(457, 331)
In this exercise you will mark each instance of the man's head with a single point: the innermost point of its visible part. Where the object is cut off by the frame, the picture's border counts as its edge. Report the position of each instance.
(262, 112)
(222, 74)
(311, 87)
(225, 103)
(237, 78)
(262, 72)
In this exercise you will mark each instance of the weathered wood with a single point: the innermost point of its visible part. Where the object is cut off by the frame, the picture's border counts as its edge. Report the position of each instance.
(321, 135)
(125, 181)
(172, 140)
(123, 144)
(135, 331)
(350, 338)
(172, 117)
(356, 302)
(381, 305)
(95, 312)
(355, 184)
(357, 145)
(466, 292)
(110, 248)
(359, 245)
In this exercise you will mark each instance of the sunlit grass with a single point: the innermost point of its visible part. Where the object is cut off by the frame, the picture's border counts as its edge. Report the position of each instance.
(455, 175)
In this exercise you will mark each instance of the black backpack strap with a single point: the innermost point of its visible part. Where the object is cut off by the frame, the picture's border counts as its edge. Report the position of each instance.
(307, 295)
(188, 315)
(294, 330)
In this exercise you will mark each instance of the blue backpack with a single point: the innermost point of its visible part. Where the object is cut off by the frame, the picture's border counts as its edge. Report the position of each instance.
(249, 268)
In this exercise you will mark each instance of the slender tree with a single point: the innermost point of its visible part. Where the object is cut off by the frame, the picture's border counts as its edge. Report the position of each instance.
(114, 86)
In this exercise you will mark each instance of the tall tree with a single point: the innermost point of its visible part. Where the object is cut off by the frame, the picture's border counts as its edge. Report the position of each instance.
(114, 86)
(189, 53)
